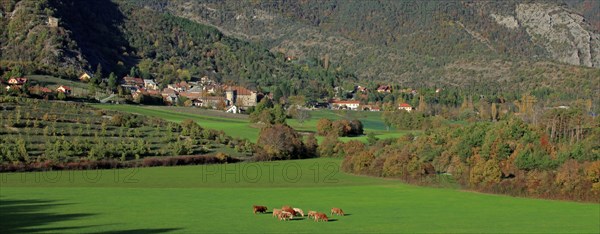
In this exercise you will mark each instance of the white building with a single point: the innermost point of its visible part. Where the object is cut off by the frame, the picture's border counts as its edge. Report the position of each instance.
(350, 105)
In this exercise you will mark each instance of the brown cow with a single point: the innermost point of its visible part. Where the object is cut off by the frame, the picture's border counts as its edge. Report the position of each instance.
(276, 212)
(337, 211)
(289, 209)
(311, 214)
(259, 209)
(321, 217)
(285, 216)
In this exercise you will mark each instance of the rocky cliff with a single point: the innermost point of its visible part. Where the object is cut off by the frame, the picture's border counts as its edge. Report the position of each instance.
(565, 34)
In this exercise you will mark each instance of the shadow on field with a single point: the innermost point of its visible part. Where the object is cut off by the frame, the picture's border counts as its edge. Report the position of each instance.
(332, 220)
(28, 215)
(20, 216)
(157, 230)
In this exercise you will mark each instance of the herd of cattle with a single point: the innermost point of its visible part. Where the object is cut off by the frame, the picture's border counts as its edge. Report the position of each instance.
(287, 213)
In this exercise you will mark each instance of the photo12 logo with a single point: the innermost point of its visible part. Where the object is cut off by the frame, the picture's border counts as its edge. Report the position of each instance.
(272, 172)
(93, 176)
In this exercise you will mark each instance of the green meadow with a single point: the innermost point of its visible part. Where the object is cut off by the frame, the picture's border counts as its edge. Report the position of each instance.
(238, 125)
(219, 199)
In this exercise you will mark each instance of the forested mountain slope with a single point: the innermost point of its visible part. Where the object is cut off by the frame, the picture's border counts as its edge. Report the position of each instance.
(480, 46)
(118, 35)
(493, 45)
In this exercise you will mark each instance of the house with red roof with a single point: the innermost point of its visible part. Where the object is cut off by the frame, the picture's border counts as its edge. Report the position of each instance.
(347, 104)
(240, 96)
(384, 89)
(405, 106)
(17, 81)
(64, 89)
(128, 80)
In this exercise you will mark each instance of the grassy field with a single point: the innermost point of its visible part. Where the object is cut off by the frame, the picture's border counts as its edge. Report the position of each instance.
(234, 127)
(218, 199)
(238, 125)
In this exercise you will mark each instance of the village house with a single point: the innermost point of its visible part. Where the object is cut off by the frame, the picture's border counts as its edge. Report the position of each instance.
(145, 92)
(180, 86)
(405, 106)
(85, 77)
(384, 89)
(133, 81)
(212, 89)
(64, 89)
(206, 81)
(131, 88)
(214, 102)
(150, 84)
(195, 89)
(240, 96)
(53, 22)
(18, 81)
(169, 95)
(191, 95)
(350, 104)
(362, 89)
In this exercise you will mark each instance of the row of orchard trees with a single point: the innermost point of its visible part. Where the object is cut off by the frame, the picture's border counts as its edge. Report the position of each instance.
(508, 157)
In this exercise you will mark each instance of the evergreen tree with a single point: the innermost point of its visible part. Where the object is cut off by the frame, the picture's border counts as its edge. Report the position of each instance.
(112, 81)
(97, 78)
(279, 114)
(133, 72)
(277, 95)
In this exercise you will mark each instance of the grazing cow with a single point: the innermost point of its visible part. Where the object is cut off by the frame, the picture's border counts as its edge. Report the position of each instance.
(276, 212)
(259, 209)
(289, 209)
(299, 211)
(311, 214)
(337, 211)
(321, 217)
(285, 216)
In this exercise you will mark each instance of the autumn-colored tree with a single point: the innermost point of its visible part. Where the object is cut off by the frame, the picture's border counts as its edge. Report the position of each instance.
(327, 148)
(356, 127)
(353, 147)
(484, 172)
(311, 144)
(341, 127)
(569, 177)
(280, 141)
(592, 173)
(324, 127)
(362, 162)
